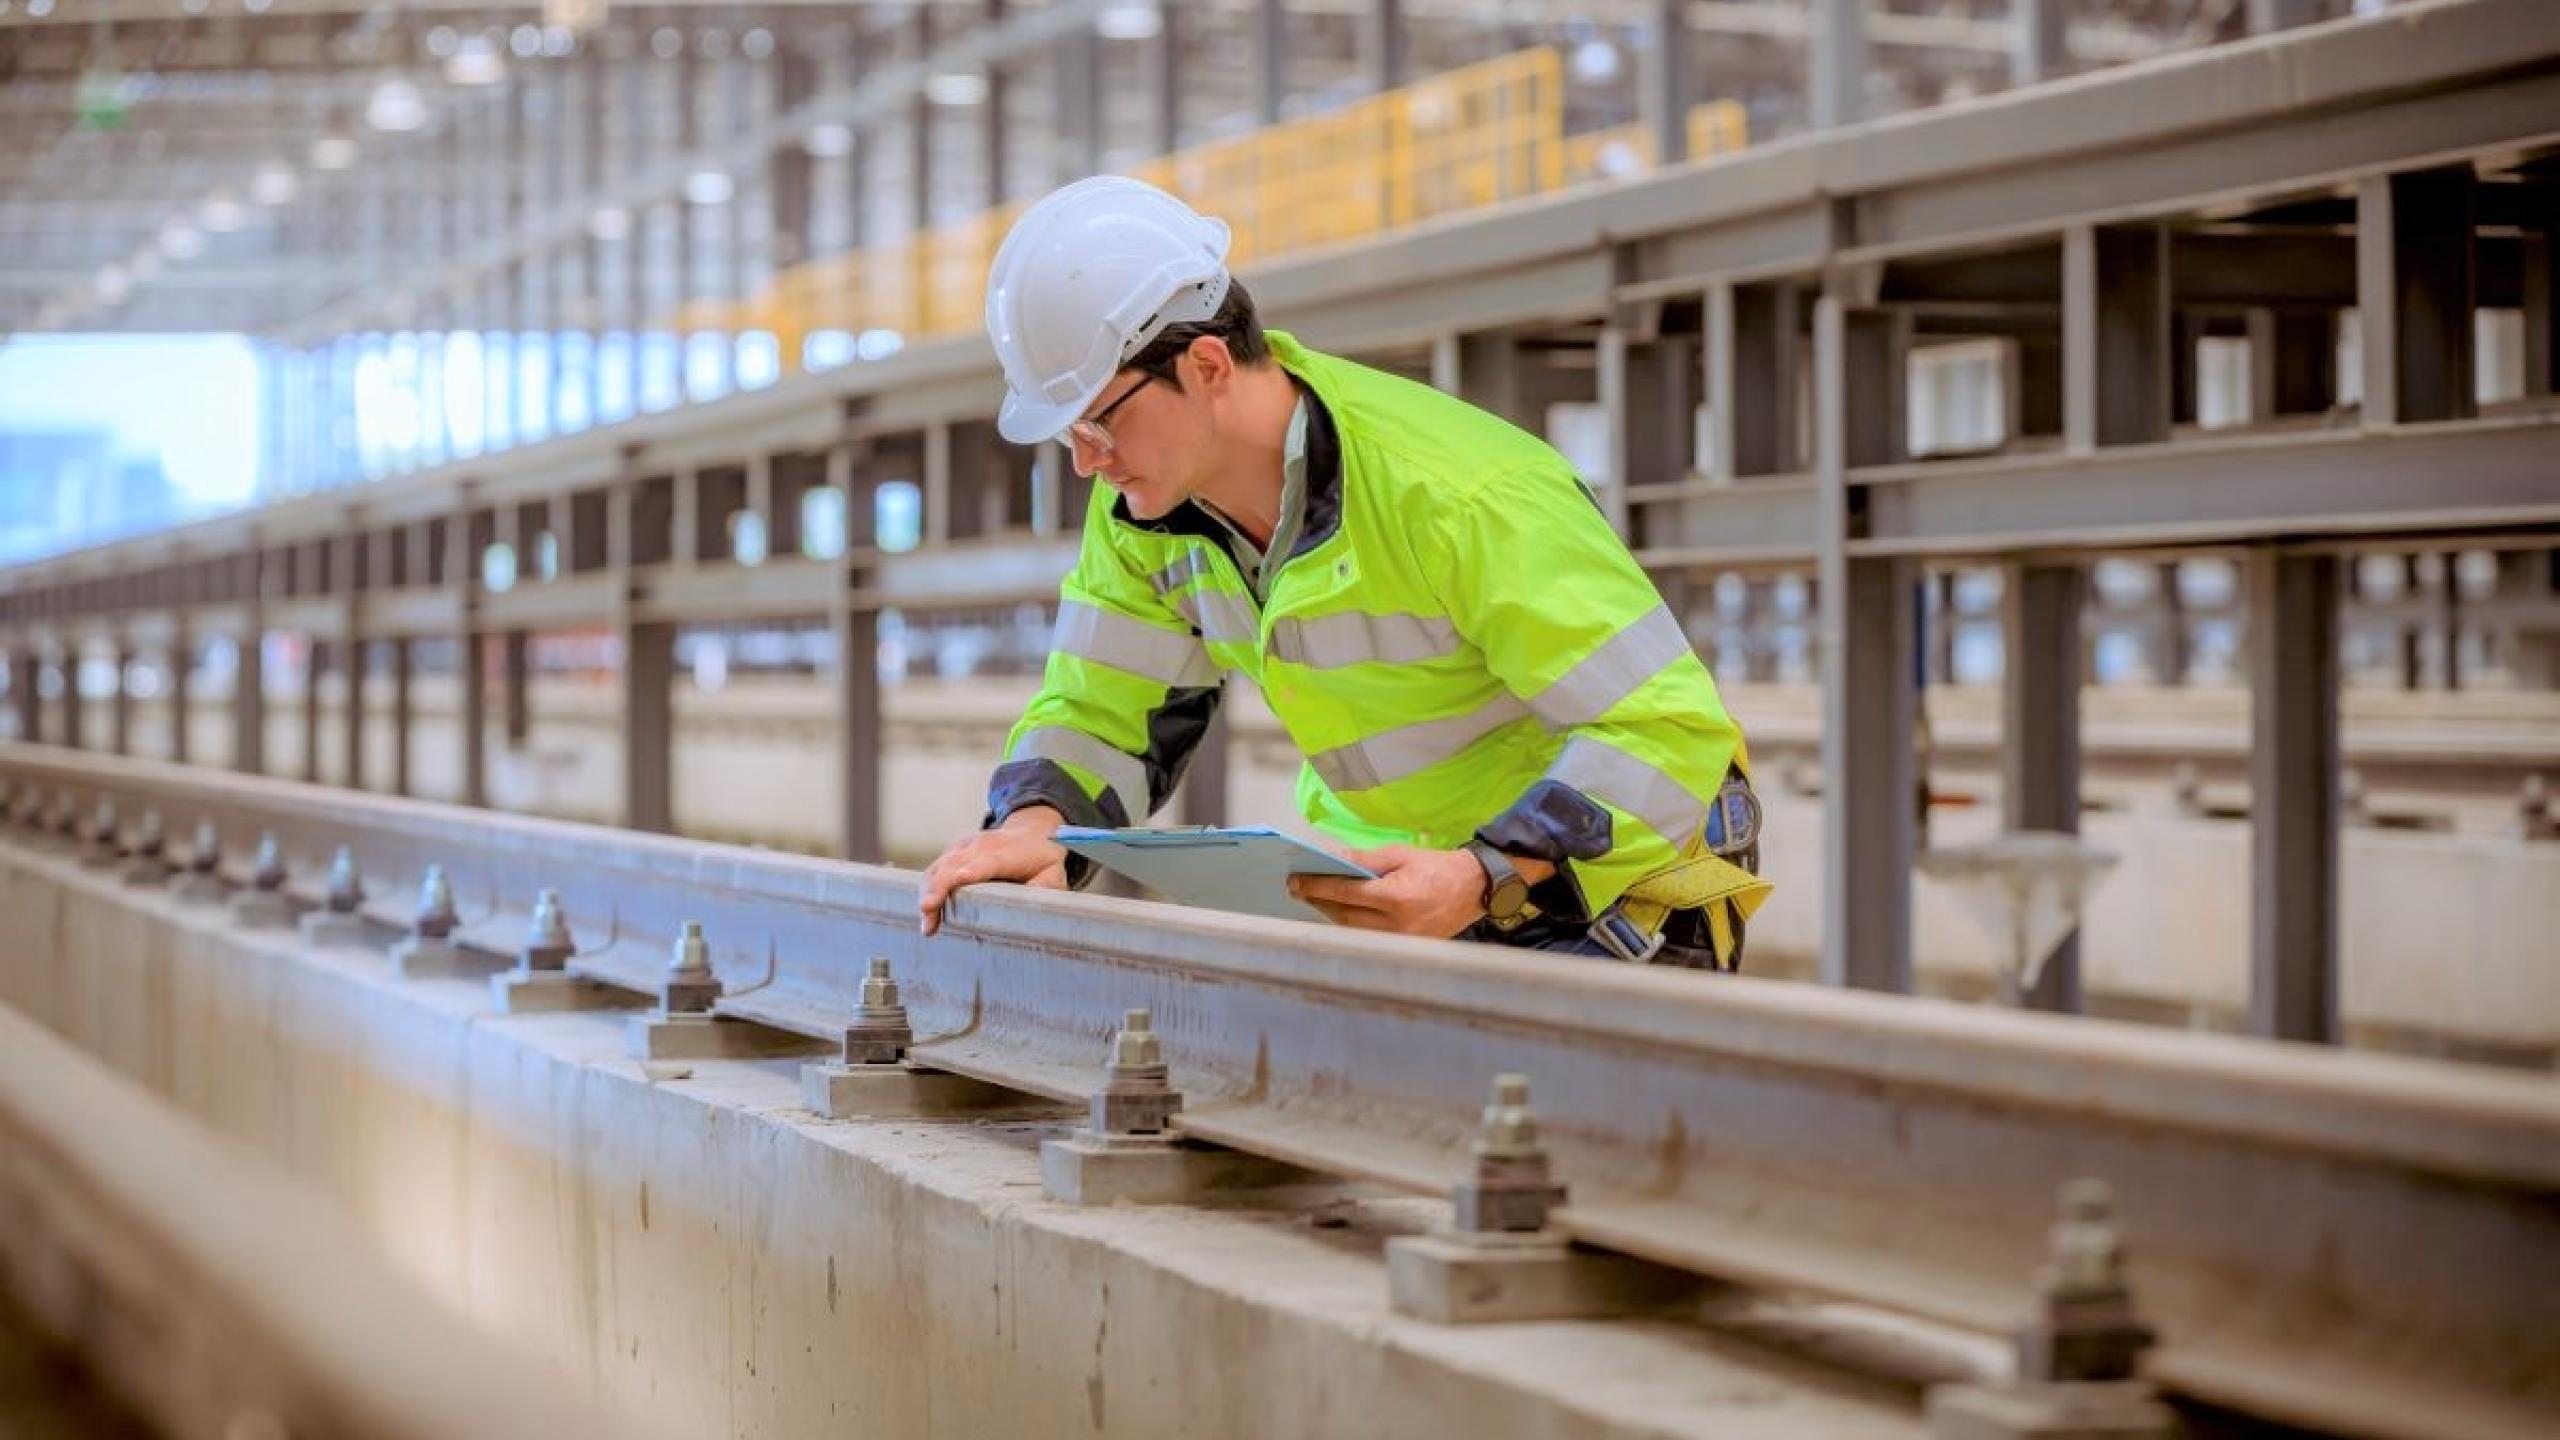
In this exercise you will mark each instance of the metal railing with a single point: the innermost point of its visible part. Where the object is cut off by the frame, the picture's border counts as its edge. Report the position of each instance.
(2332, 1239)
(1463, 140)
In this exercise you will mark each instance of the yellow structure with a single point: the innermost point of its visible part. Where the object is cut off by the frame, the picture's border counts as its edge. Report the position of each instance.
(1458, 141)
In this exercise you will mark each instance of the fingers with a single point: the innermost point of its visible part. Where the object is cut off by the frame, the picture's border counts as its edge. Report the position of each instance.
(1339, 890)
(1382, 859)
(1053, 878)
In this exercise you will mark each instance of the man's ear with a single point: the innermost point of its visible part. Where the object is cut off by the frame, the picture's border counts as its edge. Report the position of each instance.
(1215, 363)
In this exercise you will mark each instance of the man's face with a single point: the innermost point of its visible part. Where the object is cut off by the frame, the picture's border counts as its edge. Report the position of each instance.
(1143, 438)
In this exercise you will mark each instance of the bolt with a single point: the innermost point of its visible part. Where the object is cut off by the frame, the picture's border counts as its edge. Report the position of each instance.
(206, 853)
(151, 839)
(879, 1034)
(547, 945)
(436, 917)
(346, 884)
(103, 829)
(691, 985)
(267, 870)
(1510, 1132)
(1137, 1095)
(2085, 1327)
(1512, 1189)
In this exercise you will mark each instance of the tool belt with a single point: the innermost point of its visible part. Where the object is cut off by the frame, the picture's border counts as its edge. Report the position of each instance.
(1703, 898)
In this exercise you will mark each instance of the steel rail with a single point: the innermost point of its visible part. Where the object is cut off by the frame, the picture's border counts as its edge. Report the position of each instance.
(2356, 1242)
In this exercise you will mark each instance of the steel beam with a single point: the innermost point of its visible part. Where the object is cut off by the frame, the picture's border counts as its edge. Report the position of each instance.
(2293, 795)
(2040, 733)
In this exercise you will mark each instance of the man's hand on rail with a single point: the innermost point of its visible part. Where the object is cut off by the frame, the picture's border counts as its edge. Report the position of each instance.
(1018, 850)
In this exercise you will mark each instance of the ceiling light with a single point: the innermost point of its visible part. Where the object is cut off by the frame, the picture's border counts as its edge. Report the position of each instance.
(221, 214)
(395, 105)
(39, 8)
(666, 42)
(756, 44)
(956, 88)
(609, 224)
(256, 7)
(114, 284)
(181, 241)
(1595, 62)
(708, 187)
(526, 41)
(475, 62)
(275, 184)
(1129, 20)
(332, 152)
(828, 140)
(558, 40)
(442, 42)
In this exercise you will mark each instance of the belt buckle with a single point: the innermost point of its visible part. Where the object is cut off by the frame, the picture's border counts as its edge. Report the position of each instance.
(1619, 936)
(1733, 822)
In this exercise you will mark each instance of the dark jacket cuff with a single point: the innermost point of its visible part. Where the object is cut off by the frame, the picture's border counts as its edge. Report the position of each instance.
(1556, 823)
(1018, 783)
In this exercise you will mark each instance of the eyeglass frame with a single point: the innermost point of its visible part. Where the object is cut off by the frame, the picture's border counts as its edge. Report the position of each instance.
(1095, 431)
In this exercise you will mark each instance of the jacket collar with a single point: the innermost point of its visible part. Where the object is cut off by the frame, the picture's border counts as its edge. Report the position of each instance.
(1324, 470)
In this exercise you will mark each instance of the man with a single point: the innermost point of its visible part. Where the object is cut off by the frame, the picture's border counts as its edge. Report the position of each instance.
(1500, 717)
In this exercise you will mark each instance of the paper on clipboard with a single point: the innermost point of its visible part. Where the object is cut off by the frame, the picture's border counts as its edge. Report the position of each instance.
(1245, 869)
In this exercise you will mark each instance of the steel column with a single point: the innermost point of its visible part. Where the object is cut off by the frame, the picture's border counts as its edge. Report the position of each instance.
(315, 659)
(1837, 51)
(2116, 336)
(994, 120)
(182, 660)
(515, 691)
(120, 703)
(354, 654)
(249, 678)
(1767, 338)
(2293, 795)
(404, 713)
(2415, 288)
(2040, 732)
(1869, 703)
(2039, 41)
(1384, 44)
(1270, 60)
(1665, 87)
(1166, 87)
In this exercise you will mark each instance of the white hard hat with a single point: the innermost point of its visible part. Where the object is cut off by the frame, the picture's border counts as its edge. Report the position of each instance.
(1082, 282)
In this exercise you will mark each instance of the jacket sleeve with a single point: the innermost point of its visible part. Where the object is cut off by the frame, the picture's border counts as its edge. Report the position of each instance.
(1126, 693)
(1591, 649)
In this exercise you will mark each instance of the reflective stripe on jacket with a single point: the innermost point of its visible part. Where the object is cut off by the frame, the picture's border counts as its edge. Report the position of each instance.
(1458, 643)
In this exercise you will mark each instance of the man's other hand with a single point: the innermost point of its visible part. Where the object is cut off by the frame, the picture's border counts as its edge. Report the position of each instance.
(1418, 892)
(1019, 850)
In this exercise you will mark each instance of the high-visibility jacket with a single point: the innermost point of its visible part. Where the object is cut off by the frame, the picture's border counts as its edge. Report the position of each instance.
(1459, 644)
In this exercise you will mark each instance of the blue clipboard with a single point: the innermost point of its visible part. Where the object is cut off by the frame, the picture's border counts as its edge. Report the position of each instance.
(1245, 869)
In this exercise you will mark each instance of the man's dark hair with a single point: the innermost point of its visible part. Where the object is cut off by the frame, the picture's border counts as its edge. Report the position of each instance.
(1234, 323)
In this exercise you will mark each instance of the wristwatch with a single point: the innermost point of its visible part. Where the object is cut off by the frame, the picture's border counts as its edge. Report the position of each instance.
(1506, 895)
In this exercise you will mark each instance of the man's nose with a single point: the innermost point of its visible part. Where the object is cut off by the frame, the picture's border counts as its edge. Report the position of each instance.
(1088, 459)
